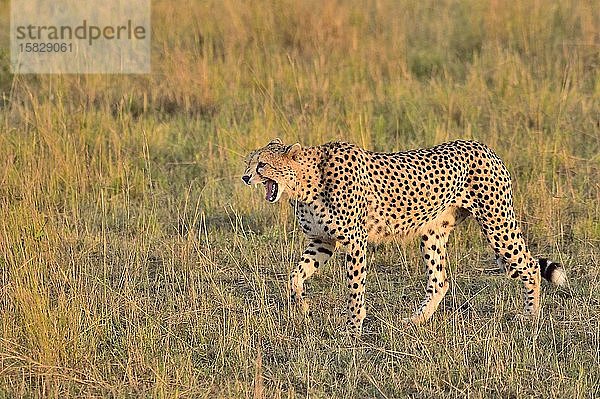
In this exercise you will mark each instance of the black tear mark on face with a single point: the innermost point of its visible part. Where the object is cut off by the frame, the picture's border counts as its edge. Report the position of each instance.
(260, 165)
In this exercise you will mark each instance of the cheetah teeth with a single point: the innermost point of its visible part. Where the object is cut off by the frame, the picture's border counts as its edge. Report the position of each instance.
(271, 188)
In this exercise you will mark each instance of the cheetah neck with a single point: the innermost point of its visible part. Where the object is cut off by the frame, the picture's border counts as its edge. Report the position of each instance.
(308, 175)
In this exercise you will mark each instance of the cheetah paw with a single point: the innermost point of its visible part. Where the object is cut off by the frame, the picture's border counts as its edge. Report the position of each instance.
(415, 320)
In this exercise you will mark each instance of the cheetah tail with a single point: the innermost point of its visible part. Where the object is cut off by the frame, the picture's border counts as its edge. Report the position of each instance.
(553, 272)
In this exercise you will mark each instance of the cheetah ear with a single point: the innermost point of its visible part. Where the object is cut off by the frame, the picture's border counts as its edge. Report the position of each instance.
(275, 141)
(293, 150)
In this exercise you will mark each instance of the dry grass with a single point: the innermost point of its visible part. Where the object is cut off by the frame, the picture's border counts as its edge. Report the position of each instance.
(134, 263)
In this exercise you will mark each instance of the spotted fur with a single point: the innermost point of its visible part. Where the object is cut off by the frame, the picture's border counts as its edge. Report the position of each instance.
(346, 195)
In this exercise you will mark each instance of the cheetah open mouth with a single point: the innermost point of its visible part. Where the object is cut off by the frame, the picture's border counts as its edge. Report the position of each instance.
(272, 189)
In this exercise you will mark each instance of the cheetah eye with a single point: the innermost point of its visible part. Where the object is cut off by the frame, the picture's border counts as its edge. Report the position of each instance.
(260, 165)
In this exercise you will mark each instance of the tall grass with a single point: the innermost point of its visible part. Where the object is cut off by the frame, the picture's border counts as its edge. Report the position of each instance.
(134, 263)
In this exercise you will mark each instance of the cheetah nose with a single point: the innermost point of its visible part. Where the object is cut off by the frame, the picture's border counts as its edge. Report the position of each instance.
(246, 179)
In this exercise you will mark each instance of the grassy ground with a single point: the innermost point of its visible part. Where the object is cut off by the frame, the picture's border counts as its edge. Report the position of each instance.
(133, 262)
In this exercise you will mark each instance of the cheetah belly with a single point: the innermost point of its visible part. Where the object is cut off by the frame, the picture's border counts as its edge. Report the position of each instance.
(400, 218)
(382, 228)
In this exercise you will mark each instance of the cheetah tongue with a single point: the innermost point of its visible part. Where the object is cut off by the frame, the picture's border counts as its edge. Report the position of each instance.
(271, 190)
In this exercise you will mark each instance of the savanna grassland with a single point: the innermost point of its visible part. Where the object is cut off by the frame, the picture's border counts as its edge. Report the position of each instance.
(134, 263)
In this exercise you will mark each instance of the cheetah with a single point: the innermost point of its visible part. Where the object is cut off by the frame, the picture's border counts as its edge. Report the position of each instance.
(348, 196)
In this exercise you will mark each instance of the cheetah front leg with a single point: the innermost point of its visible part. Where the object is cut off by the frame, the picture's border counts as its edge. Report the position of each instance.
(356, 276)
(316, 254)
(433, 248)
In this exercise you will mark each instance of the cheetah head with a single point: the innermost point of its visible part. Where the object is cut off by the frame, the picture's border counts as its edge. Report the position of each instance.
(273, 166)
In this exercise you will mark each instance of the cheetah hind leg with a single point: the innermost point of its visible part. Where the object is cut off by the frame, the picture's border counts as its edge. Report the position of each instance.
(433, 248)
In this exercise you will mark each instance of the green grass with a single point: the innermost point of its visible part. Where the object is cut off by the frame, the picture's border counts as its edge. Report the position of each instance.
(134, 263)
